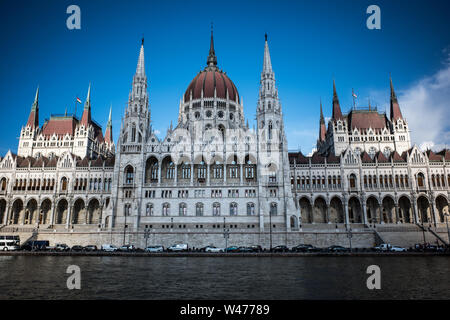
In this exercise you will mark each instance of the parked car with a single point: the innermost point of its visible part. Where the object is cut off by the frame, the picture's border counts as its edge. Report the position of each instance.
(154, 249)
(336, 249)
(280, 249)
(76, 248)
(256, 248)
(245, 249)
(109, 248)
(398, 249)
(61, 247)
(213, 249)
(36, 245)
(303, 248)
(90, 247)
(127, 248)
(178, 247)
(232, 249)
(383, 247)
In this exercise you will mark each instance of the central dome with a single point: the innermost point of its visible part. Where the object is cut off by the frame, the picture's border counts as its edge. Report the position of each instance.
(210, 79)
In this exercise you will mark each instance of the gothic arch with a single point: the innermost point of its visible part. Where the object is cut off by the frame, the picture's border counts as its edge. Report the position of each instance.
(354, 210)
(336, 210)
(305, 210)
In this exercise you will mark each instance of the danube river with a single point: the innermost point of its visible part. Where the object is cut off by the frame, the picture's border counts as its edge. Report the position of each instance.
(45, 277)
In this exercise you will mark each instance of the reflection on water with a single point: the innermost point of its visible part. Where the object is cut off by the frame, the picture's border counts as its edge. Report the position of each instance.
(44, 277)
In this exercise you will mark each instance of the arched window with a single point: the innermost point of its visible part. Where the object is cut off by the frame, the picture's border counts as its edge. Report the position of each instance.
(127, 209)
(250, 209)
(273, 209)
(129, 175)
(270, 130)
(166, 209)
(233, 209)
(64, 184)
(199, 209)
(420, 180)
(352, 181)
(182, 209)
(149, 209)
(3, 184)
(216, 209)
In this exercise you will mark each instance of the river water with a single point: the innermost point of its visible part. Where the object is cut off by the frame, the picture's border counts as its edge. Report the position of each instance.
(45, 277)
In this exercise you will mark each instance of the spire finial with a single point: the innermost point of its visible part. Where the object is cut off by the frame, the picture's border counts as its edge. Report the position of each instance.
(265, 36)
(142, 40)
(212, 60)
(88, 97)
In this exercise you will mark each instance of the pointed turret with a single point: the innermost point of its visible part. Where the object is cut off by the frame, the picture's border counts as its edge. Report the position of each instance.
(86, 117)
(33, 118)
(267, 65)
(140, 69)
(108, 132)
(322, 129)
(337, 114)
(212, 59)
(395, 108)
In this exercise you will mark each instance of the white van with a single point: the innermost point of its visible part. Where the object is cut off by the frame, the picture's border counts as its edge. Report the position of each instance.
(109, 248)
(8, 245)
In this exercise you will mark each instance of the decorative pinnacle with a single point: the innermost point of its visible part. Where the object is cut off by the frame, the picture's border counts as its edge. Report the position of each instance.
(212, 59)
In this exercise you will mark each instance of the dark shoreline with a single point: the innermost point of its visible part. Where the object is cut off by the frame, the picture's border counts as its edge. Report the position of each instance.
(203, 254)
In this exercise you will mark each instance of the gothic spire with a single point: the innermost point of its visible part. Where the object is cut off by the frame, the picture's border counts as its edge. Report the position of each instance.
(337, 114)
(86, 117)
(212, 59)
(108, 132)
(33, 118)
(322, 128)
(395, 108)
(140, 69)
(267, 65)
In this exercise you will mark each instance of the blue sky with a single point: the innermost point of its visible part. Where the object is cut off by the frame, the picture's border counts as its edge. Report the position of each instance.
(311, 42)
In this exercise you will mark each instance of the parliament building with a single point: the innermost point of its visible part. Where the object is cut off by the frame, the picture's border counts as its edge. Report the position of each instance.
(212, 171)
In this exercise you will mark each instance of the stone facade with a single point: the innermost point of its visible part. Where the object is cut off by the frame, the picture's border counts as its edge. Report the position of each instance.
(213, 172)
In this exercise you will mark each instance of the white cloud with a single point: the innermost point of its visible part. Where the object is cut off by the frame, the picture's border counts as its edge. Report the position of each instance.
(426, 107)
(156, 131)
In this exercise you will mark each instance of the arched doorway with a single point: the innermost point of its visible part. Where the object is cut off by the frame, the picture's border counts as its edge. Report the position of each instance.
(405, 210)
(305, 210)
(31, 212)
(2, 210)
(94, 212)
(17, 211)
(442, 208)
(320, 211)
(79, 212)
(294, 223)
(424, 209)
(354, 210)
(373, 208)
(336, 210)
(61, 212)
(388, 211)
(44, 216)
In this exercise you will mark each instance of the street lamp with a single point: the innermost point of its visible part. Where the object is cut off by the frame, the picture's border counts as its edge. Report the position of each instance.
(448, 230)
(226, 233)
(146, 235)
(349, 235)
(270, 232)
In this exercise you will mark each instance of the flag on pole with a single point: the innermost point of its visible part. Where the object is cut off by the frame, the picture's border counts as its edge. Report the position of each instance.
(79, 100)
(354, 95)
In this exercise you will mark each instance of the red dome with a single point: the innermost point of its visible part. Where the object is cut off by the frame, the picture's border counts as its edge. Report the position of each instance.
(209, 79)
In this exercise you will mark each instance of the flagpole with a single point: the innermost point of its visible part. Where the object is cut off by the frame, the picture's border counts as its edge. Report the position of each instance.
(76, 107)
(353, 96)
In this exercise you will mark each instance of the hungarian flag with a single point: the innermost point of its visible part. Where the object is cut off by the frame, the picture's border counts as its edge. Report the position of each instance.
(79, 100)
(353, 94)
